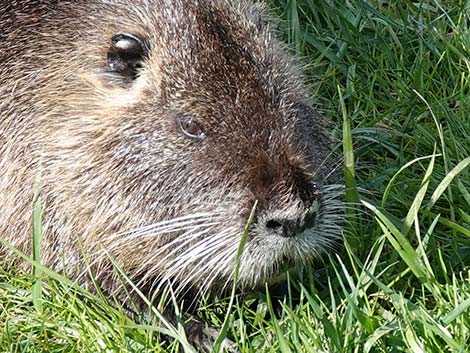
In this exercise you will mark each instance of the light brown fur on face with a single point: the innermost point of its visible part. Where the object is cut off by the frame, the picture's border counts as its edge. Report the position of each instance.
(121, 174)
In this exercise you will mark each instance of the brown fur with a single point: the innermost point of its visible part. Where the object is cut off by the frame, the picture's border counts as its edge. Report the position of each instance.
(116, 175)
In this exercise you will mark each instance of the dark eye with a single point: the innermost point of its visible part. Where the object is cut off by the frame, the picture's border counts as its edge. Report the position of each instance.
(190, 127)
(126, 54)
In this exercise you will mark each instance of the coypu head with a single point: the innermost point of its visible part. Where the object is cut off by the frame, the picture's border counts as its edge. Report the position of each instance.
(163, 125)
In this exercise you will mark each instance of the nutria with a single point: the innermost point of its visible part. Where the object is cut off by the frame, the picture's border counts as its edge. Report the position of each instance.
(150, 129)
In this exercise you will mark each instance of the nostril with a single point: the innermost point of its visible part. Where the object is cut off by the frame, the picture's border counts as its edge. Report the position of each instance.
(273, 225)
(283, 227)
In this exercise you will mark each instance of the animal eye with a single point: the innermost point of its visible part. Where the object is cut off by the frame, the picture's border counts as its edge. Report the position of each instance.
(190, 127)
(126, 54)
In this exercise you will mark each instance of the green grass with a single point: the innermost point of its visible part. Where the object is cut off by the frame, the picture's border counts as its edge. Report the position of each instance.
(393, 77)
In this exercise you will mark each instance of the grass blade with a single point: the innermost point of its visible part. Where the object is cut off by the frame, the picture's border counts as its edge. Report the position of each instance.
(418, 200)
(224, 329)
(400, 243)
(37, 232)
(447, 180)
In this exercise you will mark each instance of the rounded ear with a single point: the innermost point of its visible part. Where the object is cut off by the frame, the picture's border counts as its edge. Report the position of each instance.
(126, 54)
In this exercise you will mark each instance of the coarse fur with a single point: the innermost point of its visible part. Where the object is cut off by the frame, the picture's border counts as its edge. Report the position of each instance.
(118, 178)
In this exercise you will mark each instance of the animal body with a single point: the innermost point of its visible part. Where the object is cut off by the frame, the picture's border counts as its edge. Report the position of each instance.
(150, 128)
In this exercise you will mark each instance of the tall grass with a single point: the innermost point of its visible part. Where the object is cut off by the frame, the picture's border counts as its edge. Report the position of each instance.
(393, 78)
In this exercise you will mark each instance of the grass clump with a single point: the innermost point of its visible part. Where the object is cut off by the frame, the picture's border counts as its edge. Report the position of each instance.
(393, 78)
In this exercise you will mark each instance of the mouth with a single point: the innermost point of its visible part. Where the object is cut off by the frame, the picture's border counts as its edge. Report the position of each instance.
(285, 263)
(279, 274)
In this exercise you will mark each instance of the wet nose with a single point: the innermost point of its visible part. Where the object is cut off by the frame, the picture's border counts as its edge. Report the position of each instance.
(288, 226)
